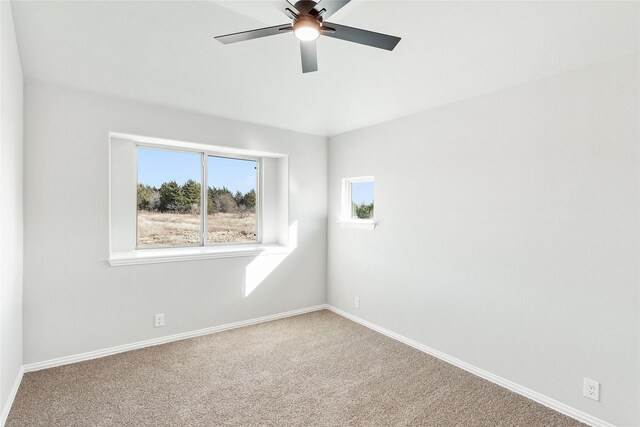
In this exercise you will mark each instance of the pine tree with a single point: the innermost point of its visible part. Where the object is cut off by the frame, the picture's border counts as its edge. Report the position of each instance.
(145, 197)
(238, 198)
(190, 197)
(171, 198)
(249, 200)
(210, 205)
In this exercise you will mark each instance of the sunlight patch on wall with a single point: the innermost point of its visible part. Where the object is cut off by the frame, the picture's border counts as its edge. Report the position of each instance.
(263, 265)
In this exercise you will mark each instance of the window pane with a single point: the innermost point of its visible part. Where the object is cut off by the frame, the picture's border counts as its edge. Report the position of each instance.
(168, 198)
(231, 204)
(362, 200)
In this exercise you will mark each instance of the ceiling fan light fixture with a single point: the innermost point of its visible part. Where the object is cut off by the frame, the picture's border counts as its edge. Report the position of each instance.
(306, 28)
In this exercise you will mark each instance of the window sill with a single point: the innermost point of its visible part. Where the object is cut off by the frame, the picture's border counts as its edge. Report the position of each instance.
(358, 224)
(153, 256)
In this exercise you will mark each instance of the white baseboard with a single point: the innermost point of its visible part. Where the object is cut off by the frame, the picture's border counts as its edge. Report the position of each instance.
(12, 395)
(516, 388)
(162, 340)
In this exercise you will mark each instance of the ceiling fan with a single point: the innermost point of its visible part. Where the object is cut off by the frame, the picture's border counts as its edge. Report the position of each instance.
(308, 23)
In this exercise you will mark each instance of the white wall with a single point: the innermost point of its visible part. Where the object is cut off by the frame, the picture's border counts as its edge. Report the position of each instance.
(11, 184)
(73, 301)
(508, 233)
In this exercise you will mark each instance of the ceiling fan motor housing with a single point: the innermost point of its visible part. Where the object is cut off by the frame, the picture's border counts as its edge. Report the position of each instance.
(306, 7)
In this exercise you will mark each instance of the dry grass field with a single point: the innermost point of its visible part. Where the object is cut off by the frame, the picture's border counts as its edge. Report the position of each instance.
(156, 229)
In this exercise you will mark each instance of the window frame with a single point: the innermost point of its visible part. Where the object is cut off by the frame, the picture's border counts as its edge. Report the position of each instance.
(204, 185)
(346, 213)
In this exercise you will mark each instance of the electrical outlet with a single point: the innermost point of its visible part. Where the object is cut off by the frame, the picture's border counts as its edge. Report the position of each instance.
(159, 320)
(591, 389)
(356, 302)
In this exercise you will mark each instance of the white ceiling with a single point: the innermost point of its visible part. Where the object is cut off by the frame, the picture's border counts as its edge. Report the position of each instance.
(163, 52)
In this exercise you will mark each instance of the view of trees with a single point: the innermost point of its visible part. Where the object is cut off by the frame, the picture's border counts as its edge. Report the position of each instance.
(174, 198)
(362, 211)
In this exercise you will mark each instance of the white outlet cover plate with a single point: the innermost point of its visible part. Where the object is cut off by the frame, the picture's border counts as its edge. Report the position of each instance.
(591, 389)
(159, 320)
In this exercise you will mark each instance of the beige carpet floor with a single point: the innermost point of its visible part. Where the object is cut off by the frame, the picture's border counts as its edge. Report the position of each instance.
(313, 369)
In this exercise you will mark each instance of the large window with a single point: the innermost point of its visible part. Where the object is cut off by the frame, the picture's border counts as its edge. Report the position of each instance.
(171, 185)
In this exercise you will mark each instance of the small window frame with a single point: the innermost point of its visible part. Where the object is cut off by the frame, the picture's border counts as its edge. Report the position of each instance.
(346, 215)
(204, 155)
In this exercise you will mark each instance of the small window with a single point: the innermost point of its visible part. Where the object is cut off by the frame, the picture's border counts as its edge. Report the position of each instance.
(362, 200)
(169, 194)
(358, 199)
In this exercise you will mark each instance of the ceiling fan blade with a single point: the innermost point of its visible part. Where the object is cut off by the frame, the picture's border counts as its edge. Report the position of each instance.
(356, 35)
(330, 7)
(286, 7)
(254, 34)
(309, 56)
